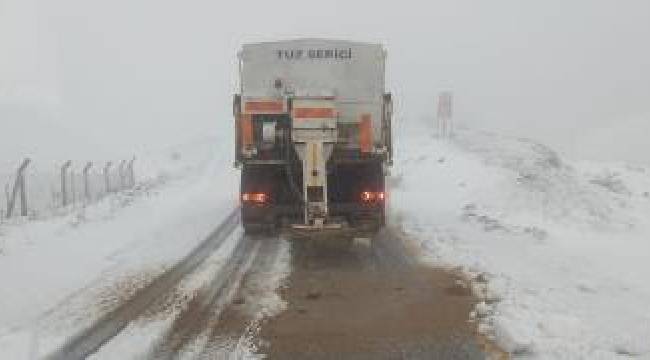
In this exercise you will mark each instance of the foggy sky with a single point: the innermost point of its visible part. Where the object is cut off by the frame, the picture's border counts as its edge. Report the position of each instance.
(103, 78)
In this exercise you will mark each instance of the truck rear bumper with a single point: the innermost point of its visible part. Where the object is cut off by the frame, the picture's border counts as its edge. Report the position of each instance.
(272, 194)
(353, 214)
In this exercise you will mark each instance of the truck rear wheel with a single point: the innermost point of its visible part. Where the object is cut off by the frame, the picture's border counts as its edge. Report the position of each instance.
(258, 229)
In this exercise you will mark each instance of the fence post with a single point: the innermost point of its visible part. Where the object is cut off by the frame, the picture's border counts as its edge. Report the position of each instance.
(73, 187)
(8, 198)
(107, 176)
(120, 170)
(445, 114)
(19, 186)
(131, 172)
(64, 188)
(86, 184)
(23, 196)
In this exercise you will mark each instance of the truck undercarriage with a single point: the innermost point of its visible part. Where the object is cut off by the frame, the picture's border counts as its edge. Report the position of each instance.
(272, 198)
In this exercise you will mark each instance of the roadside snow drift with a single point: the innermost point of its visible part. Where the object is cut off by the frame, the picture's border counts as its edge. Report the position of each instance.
(558, 251)
(56, 272)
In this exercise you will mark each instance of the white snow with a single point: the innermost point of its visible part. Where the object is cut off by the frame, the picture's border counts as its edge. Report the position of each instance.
(262, 300)
(52, 270)
(558, 250)
(143, 334)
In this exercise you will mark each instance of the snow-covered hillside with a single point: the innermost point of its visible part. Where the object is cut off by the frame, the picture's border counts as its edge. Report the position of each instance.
(54, 269)
(43, 174)
(557, 250)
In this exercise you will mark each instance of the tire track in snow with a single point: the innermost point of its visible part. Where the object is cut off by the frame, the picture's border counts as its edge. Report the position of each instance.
(195, 318)
(234, 330)
(108, 326)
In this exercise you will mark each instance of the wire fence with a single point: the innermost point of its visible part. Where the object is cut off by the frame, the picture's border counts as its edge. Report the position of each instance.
(35, 192)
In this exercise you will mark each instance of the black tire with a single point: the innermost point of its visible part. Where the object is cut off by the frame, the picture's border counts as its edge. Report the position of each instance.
(259, 229)
(250, 229)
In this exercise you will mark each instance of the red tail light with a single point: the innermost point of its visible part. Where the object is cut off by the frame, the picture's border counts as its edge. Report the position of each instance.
(258, 198)
(370, 196)
(367, 196)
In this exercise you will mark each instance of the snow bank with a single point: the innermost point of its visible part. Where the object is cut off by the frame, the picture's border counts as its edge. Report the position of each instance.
(557, 250)
(54, 271)
(43, 176)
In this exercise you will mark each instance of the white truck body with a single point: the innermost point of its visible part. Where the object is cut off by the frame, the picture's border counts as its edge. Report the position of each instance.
(352, 73)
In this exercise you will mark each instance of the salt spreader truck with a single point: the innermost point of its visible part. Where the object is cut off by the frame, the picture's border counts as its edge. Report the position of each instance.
(313, 136)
